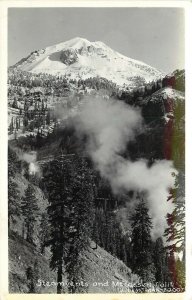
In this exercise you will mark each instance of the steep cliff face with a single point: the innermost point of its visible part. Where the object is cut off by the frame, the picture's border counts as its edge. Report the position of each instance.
(162, 104)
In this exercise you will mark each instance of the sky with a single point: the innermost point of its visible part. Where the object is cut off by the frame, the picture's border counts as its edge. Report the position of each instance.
(152, 35)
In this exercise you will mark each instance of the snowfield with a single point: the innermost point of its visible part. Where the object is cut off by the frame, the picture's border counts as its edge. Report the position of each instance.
(81, 59)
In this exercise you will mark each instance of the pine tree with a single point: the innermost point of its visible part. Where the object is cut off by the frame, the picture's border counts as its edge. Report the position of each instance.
(32, 274)
(11, 126)
(180, 267)
(70, 216)
(56, 178)
(175, 232)
(29, 211)
(142, 243)
(80, 222)
(13, 202)
(14, 164)
(160, 261)
(30, 280)
(44, 232)
(13, 192)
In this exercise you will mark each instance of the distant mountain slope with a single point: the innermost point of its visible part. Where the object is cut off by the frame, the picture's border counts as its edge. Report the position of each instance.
(80, 59)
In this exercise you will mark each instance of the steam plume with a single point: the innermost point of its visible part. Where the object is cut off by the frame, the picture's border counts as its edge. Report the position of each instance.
(30, 158)
(110, 125)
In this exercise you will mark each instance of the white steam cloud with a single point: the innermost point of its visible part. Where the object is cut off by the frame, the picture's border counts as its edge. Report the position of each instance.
(110, 125)
(30, 158)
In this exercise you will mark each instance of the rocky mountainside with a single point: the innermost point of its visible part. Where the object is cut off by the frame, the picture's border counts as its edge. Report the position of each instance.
(81, 59)
(102, 272)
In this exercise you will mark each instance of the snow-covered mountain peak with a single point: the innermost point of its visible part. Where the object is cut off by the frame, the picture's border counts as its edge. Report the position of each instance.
(79, 58)
(75, 43)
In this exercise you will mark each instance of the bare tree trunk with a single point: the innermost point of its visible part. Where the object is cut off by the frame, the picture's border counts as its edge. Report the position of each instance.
(59, 280)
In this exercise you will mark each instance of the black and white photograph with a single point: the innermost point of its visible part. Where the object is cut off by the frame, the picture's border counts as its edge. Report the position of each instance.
(96, 150)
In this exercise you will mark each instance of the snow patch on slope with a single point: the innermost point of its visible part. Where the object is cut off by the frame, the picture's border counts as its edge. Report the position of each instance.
(167, 93)
(172, 93)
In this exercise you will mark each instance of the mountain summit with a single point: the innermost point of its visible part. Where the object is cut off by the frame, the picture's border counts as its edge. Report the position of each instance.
(80, 59)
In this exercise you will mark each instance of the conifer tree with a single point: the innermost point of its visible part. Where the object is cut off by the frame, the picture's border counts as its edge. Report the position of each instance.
(13, 201)
(175, 232)
(44, 232)
(29, 211)
(13, 192)
(180, 267)
(160, 261)
(108, 234)
(56, 178)
(80, 222)
(142, 243)
(30, 280)
(70, 217)
(11, 126)
(32, 274)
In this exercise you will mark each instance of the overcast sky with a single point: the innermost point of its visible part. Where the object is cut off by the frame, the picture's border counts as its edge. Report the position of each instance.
(152, 35)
